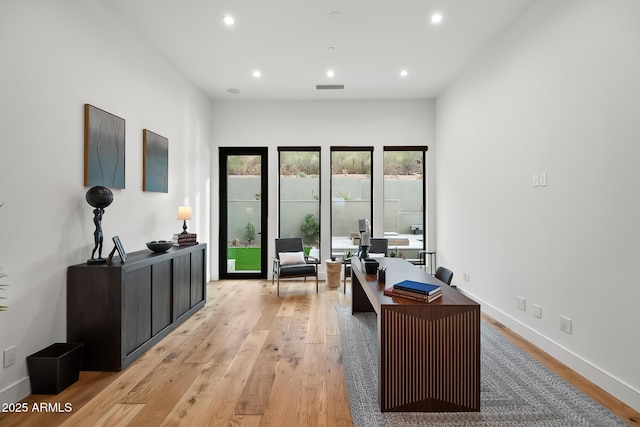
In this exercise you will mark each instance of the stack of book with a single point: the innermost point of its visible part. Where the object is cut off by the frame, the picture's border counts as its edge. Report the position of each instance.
(418, 291)
(185, 239)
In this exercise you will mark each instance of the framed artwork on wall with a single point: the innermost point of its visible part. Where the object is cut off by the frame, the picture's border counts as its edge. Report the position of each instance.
(155, 159)
(104, 146)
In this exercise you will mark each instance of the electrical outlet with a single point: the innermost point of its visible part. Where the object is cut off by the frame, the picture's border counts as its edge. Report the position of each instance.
(537, 311)
(536, 180)
(9, 356)
(543, 179)
(467, 277)
(565, 324)
(521, 303)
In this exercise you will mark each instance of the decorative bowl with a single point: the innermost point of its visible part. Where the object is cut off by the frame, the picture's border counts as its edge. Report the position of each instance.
(159, 245)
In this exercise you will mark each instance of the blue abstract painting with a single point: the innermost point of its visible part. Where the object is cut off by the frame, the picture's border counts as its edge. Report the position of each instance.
(103, 148)
(155, 170)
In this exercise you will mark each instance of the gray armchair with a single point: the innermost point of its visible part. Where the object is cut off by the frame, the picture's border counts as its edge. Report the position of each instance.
(290, 261)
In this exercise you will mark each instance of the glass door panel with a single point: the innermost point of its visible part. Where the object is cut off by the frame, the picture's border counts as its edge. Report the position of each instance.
(243, 212)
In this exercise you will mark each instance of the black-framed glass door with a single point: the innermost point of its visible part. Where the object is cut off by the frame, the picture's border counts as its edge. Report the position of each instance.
(243, 213)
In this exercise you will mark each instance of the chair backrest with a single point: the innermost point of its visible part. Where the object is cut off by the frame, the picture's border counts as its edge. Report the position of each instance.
(444, 274)
(379, 246)
(290, 244)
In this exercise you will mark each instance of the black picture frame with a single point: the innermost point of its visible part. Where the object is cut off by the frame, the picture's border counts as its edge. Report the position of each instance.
(120, 248)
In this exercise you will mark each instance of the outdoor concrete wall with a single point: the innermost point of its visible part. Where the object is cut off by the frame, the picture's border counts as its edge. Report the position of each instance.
(297, 199)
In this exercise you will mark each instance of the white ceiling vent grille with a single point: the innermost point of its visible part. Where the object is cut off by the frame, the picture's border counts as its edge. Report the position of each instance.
(323, 87)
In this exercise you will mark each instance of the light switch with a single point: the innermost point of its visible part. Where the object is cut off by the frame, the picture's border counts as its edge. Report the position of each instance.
(543, 179)
(536, 180)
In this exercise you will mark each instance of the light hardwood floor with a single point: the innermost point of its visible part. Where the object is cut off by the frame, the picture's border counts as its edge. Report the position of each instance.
(248, 358)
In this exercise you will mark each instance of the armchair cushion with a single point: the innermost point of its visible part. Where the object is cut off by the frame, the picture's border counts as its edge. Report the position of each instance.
(376, 255)
(287, 258)
(289, 270)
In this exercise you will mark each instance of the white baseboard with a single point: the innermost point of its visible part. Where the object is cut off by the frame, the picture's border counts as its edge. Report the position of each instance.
(604, 380)
(16, 391)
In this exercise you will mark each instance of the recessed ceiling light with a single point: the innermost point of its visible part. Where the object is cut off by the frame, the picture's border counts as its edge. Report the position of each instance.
(436, 18)
(228, 20)
(233, 91)
(257, 74)
(331, 73)
(404, 73)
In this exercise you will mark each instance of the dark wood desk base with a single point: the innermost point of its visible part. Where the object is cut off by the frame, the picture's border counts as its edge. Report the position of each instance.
(429, 353)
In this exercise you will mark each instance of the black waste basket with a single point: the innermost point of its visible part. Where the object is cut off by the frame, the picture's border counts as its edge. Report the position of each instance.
(55, 368)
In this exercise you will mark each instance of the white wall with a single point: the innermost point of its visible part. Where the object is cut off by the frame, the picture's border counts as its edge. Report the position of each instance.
(57, 56)
(318, 123)
(557, 94)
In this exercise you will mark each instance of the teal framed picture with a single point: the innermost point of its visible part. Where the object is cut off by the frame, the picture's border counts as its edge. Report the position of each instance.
(104, 148)
(155, 168)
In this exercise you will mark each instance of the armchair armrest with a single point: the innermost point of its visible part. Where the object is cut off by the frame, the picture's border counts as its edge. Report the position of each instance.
(276, 265)
(314, 260)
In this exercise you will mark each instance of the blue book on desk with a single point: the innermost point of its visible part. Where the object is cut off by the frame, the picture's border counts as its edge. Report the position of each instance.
(417, 287)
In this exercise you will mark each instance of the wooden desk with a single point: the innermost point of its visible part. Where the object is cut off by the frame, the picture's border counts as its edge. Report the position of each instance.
(429, 353)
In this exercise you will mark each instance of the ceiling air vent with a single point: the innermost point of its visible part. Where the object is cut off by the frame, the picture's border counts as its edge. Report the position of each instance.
(321, 87)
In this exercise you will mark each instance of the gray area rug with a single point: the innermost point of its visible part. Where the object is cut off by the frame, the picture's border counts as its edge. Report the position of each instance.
(516, 390)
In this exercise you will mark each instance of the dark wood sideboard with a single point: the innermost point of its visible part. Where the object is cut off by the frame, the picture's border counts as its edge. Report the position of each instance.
(121, 310)
(429, 353)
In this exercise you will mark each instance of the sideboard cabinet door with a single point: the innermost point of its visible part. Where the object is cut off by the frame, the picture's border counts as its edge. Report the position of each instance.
(136, 304)
(160, 296)
(197, 278)
(181, 285)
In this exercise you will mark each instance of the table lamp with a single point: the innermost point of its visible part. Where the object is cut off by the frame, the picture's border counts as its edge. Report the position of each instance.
(365, 241)
(365, 234)
(184, 213)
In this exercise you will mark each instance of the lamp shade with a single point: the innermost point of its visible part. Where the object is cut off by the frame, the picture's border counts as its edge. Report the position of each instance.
(184, 212)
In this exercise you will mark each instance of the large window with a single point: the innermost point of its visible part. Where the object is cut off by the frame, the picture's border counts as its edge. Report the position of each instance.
(351, 189)
(404, 200)
(300, 196)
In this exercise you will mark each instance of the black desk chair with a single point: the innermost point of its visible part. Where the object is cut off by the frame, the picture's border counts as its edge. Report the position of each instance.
(290, 261)
(445, 275)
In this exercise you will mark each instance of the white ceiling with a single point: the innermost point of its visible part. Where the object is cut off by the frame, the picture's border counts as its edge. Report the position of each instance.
(289, 41)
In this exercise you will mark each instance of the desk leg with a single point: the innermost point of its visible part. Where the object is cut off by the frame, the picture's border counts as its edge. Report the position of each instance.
(344, 279)
(359, 300)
